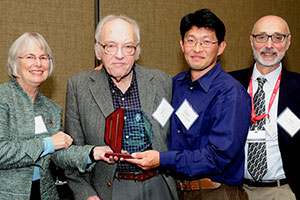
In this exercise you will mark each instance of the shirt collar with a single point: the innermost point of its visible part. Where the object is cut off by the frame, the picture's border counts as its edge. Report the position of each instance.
(114, 88)
(206, 80)
(271, 77)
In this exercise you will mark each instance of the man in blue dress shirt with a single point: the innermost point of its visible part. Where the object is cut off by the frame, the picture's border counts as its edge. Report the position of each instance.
(211, 120)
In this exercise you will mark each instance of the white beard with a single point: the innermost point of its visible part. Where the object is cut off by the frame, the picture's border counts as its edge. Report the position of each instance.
(262, 62)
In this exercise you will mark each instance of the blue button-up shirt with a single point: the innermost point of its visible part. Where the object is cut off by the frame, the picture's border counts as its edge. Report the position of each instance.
(213, 147)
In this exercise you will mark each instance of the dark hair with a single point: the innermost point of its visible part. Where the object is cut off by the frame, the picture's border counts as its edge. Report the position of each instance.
(203, 18)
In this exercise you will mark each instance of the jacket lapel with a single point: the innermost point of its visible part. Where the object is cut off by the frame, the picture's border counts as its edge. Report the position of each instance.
(284, 91)
(101, 92)
(246, 78)
(146, 90)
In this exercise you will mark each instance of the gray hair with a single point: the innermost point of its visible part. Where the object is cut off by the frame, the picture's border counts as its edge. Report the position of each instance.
(109, 18)
(20, 46)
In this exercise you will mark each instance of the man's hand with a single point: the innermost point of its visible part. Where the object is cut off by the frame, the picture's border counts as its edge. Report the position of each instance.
(93, 198)
(145, 160)
(99, 154)
(99, 67)
(61, 140)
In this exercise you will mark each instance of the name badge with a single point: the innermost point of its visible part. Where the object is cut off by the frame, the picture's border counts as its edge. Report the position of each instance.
(256, 136)
(186, 114)
(289, 122)
(40, 126)
(163, 112)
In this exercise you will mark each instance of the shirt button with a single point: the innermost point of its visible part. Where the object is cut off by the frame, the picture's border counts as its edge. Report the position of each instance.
(125, 117)
(123, 98)
(127, 136)
(191, 87)
(178, 131)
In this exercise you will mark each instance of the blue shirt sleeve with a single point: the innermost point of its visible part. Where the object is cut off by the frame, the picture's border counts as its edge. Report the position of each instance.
(89, 161)
(48, 146)
(168, 159)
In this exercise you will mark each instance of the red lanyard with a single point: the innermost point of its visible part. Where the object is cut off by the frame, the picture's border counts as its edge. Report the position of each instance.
(254, 118)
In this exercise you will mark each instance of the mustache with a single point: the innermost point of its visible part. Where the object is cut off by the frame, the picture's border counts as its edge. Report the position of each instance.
(268, 50)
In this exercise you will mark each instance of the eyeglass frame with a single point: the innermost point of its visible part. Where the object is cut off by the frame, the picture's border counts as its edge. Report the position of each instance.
(35, 57)
(201, 43)
(105, 51)
(271, 36)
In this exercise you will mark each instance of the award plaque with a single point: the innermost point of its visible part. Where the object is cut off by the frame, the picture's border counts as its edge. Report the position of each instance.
(114, 133)
(138, 137)
(138, 134)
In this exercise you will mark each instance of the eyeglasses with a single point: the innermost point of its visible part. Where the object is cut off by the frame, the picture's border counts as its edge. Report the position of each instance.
(32, 58)
(111, 49)
(204, 44)
(276, 38)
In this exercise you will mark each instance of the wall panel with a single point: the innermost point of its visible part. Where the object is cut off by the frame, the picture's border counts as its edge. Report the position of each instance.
(68, 27)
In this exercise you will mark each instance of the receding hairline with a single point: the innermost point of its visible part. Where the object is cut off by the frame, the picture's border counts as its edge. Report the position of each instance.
(118, 20)
(270, 17)
(110, 18)
(113, 20)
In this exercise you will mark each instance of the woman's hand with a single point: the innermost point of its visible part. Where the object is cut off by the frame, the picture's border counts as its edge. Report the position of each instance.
(61, 140)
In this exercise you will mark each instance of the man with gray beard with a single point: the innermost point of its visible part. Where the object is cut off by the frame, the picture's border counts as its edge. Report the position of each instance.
(271, 149)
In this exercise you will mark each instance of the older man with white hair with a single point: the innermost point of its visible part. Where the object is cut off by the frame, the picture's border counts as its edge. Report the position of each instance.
(93, 95)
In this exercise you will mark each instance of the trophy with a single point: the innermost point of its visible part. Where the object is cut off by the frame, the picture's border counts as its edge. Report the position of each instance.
(139, 132)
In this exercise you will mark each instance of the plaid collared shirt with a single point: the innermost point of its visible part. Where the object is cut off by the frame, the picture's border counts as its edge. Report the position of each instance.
(135, 137)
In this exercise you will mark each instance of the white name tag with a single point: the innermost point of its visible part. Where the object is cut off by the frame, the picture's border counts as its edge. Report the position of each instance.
(186, 114)
(40, 126)
(256, 136)
(163, 112)
(289, 122)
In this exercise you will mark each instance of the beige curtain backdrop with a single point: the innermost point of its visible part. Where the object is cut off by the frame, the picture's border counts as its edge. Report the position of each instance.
(68, 26)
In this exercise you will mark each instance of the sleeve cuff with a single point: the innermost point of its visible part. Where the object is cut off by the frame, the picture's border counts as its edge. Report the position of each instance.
(48, 146)
(167, 159)
(89, 161)
(91, 158)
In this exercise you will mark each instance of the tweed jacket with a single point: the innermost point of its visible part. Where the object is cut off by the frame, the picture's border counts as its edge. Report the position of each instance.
(89, 102)
(20, 148)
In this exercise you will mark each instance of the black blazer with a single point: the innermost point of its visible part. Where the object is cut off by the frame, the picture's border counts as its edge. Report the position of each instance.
(289, 96)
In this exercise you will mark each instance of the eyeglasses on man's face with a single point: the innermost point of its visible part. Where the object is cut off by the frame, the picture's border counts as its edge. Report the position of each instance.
(190, 42)
(276, 38)
(111, 49)
(30, 58)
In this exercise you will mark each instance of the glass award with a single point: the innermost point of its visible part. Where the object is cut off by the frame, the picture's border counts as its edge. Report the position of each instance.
(136, 138)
